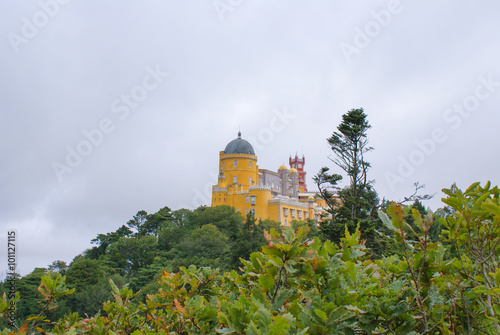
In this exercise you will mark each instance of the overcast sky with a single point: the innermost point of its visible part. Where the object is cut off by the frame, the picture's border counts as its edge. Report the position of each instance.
(111, 107)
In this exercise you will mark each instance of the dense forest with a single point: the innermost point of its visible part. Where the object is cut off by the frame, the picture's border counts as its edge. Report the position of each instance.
(369, 266)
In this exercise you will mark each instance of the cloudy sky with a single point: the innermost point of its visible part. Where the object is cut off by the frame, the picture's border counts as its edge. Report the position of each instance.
(111, 107)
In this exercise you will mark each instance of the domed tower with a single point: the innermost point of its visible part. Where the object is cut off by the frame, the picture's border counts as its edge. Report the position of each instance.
(238, 171)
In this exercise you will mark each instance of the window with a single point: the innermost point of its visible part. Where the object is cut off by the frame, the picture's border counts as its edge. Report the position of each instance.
(238, 210)
(249, 163)
(293, 213)
(246, 211)
(235, 179)
(219, 199)
(253, 211)
(286, 222)
(300, 214)
(249, 180)
(222, 164)
(248, 198)
(286, 211)
(306, 214)
(235, 163)
(253, 200)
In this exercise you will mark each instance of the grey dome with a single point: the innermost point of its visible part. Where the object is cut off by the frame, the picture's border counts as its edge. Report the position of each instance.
(239, 146)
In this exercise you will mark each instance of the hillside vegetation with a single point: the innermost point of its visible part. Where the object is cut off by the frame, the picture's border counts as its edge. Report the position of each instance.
(296, 284)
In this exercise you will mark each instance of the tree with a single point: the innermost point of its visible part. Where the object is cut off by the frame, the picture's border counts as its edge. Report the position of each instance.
(205, 242)
(27, 288)
(171, 237)
(327, 186)
(131, 254)
(182, 216)
(83, 273)
(58, 266)
(349, 146)
(137, 223)
(250, 239)
(358, 200)
(105, 240)
(155, 222)
(225, 218)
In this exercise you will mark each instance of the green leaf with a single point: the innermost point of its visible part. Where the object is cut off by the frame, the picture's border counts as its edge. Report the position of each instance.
(472, 187)
(330, 247)
(225, 331)
(321, 314)
(262, 319)
(252, 329)
(386, 220)
(280, 326)
(491, 207)
(266, 281)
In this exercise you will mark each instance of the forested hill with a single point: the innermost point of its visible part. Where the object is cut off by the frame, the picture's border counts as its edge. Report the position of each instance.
(140, 250)
(174, 272)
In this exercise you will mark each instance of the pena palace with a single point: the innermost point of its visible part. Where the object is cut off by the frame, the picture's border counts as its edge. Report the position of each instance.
(280, 196)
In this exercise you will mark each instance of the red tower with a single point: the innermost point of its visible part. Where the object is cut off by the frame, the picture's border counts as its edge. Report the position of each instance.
(298, 164)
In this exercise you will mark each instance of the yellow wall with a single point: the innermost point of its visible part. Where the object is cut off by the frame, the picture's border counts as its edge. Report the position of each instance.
(239, 195)
(243, 171)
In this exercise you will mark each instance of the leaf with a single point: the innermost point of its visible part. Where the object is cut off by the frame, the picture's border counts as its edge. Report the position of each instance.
(385, 220)
(472, 187)
(252, 329)
(418, 219)
(266, 281)
(453, 202)
(489, 206)
(225, 331)
(280, 326)
(114, 287)
(262, 319)
(321, 314)
(330, 247)
(481, 199)
(179, 307)
(354, 309)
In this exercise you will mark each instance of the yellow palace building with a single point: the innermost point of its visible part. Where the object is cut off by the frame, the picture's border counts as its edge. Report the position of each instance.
(279, 196)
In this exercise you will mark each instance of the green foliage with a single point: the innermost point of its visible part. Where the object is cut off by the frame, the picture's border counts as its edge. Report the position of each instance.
(349, 145)
(84, 273)
(131, 254)
(297, 284)
(225, 218)
(205, 242)
(138, 223)
(105, 240)
(250, 238)
(474, 229)
(51, 289)
(327, 186)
